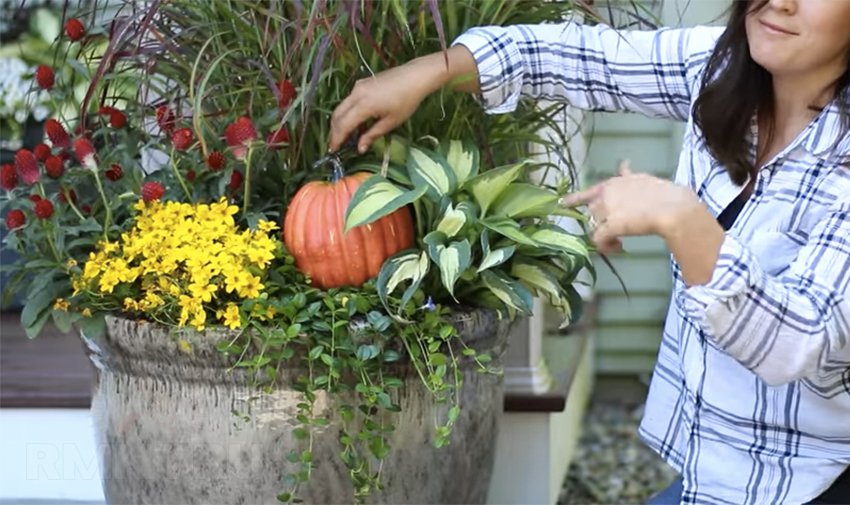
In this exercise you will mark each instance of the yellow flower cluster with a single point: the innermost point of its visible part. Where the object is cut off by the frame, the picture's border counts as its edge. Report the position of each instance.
(187, 257)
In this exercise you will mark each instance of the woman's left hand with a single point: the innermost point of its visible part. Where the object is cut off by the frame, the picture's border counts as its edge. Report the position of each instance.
(635, 204)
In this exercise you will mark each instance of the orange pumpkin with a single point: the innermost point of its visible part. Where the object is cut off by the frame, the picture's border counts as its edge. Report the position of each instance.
(313, 234)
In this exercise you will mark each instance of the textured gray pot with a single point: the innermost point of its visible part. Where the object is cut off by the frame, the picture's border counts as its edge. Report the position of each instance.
(166, 432)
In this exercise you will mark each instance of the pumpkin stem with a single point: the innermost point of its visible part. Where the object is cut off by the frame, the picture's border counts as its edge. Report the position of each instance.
(338, 170)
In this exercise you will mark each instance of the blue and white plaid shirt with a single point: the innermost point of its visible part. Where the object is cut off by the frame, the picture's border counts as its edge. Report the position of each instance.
(750, 397)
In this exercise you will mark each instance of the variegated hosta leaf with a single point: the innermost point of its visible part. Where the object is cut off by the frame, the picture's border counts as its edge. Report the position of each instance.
(407, 265)
(469, 208)
(452, 222)
(453, 260)
(398, 147)
(508, 228)
(510, 291)
(538, 278)
(487, 186)
(395, 173)
(553, 237)
(375, 198)
(485, 242)
(496, 257)
(431, 170)
(521, 199)
(463, 158)
(433, 241)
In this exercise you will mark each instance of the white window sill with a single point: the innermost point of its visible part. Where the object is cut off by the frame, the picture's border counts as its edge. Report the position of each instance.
(48, 456)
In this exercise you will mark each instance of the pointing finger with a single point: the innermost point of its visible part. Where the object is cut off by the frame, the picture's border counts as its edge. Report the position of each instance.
(581, 197)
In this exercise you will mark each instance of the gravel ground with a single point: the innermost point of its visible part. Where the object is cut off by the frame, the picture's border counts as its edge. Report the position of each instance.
(612, 465)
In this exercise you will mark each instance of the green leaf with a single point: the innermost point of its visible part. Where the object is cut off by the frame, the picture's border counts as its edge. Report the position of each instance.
(509, 291)
(508, 228)
(92, 327)
(62, 320)
(453, 260)
(434, 240)
(522, 199)
(556, 238)
(394, 173)
(536, 277)
(452, 222)
(367, 352)
(376, 198)
(486, 187)
(463, 158)
(34, 329)
(38, 303)
(404, 266)
(430, 170)
(398, 147)
(496, 257)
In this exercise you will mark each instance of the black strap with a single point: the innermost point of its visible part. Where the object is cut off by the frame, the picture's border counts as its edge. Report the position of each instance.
(838, 493)
(730, 213)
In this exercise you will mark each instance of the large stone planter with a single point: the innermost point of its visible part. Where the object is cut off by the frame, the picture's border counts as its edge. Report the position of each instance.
(166, 432)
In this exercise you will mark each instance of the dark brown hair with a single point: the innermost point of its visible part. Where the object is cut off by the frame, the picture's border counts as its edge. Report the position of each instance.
(733, 88)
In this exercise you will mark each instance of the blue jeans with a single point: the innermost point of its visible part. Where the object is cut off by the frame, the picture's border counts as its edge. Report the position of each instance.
(670, 496)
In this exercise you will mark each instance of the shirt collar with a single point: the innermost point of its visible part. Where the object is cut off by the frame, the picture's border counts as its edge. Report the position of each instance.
(823, 135)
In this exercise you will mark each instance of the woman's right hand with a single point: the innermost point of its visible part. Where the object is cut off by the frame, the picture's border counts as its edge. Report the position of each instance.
(391, 97)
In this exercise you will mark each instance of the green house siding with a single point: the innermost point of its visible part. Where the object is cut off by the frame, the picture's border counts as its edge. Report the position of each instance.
(629, 327)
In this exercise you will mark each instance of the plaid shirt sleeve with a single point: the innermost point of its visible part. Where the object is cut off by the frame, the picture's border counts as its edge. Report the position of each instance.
(590, 67)
(784, 327)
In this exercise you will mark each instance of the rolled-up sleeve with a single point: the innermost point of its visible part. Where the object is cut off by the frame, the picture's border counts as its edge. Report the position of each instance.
(590, 67)
(784, 327)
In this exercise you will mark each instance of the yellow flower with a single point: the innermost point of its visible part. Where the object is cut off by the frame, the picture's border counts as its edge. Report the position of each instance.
(130, 305)
(61, 304)
(230, 317)
(191, 254)
(266, 226)
(71, 263)
(250, 287)
(86, 312)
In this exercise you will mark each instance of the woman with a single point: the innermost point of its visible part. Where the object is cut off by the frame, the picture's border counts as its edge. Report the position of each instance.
(750, 397)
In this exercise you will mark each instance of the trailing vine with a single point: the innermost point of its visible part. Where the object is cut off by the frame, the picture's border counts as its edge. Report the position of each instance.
(348, 347)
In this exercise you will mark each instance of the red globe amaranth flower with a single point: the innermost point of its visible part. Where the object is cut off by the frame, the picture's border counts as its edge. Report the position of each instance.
(44, 209)
(41, 152)
(34, 198)
(86, 209)
(71, 193)
(235, 180)
(54, 166)
(27, 166)
(190, 175)
(85, 153)
(182, 139)
(114, 172)
(15, 219)
(165, 119)
(8, 177)
(152, 191)
(57, 134)
(117, 119)
(215, 161)
(239, 134)
(277, 139)
(44, 77)
(74, 29)
(287, 93)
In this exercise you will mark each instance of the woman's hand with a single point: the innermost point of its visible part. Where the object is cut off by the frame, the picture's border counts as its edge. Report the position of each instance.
(391, 96)
(640, 204)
